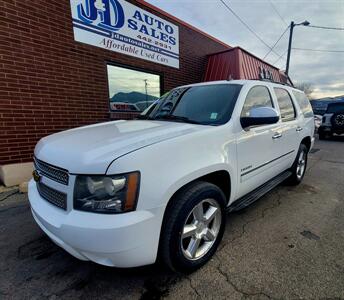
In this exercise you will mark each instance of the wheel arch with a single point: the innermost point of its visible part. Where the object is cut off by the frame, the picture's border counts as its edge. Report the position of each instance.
(220, 178)
(307, 141)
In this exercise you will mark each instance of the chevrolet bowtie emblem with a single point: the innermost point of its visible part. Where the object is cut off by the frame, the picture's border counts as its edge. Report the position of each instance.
(36, 176)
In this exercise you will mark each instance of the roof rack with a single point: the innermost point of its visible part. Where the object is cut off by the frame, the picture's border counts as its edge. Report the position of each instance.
(277, 82)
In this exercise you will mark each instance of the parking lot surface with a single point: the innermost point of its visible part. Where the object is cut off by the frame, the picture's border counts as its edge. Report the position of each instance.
(288, 245)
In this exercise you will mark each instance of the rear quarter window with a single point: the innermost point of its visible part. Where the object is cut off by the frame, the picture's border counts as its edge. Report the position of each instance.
(285, 104)
(304, 104)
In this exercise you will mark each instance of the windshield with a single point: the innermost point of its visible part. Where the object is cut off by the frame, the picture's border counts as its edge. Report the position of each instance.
(206, 104)
(335, 108)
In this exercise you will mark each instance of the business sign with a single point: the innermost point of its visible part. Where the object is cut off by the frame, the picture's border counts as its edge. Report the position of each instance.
(122, 27)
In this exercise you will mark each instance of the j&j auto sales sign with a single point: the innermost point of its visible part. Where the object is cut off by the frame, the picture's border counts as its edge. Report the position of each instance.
(123, 27)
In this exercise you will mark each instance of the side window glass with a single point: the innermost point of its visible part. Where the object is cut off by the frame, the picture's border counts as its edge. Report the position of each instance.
(304, 104)
(285, 104)
(258, 96)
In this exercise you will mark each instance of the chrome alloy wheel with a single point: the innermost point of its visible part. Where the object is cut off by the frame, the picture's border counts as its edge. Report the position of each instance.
(201, 229)
(301, 164)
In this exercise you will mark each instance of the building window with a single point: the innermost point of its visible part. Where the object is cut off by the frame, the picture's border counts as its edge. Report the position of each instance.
(132, 90)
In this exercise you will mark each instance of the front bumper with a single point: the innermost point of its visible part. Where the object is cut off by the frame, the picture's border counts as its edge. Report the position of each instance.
(121, 240)
(329, 129)
(324, 128)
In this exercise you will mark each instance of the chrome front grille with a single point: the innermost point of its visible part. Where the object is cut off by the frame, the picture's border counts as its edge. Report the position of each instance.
(55, 173)
(53, 196)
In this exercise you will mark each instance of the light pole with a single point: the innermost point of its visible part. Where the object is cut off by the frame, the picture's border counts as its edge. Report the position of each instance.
(145, 80)
(292, 25)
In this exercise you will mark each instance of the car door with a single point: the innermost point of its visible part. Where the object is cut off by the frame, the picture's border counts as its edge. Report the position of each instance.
(289, 126)
(256, 146)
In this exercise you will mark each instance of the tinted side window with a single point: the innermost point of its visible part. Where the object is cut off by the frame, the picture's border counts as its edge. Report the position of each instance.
(258, 96)
(304, 104)
(335, 108)
(285, 104)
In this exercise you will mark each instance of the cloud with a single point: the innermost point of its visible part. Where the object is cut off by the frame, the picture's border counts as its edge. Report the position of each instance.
(325, 71)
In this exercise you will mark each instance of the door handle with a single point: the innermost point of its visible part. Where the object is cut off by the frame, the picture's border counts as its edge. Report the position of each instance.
(299, 129)
(277, 135)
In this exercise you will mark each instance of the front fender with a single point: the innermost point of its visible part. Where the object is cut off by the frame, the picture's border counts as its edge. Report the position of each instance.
(187, 178)
(166, 167)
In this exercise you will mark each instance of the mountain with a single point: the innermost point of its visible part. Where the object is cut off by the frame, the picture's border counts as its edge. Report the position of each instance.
(330, 99)
(132, 97)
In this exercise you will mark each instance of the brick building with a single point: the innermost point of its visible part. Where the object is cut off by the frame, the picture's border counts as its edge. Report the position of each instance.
(67, 63)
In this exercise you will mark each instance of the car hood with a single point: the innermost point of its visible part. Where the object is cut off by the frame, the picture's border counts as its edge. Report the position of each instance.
(91, 149)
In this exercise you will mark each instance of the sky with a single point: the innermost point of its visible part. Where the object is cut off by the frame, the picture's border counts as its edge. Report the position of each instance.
(269, 18)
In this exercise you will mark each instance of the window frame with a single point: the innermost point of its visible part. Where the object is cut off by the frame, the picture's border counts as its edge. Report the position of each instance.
(296, 113)
(124, 66)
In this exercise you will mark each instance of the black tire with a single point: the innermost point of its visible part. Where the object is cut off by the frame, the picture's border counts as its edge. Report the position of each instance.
(328, 135)
(178, 212)
(322, 136)
(337, 121)
(295, 178)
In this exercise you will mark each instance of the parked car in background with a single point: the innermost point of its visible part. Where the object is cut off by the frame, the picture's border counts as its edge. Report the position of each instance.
(320, 105)
(123, 193)
(332, 121)
(124, 106)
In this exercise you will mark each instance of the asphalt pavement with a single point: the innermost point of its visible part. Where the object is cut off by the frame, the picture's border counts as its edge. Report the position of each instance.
(288, 245)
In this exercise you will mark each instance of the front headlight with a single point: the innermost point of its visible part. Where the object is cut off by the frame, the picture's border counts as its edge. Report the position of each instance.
(106, 194)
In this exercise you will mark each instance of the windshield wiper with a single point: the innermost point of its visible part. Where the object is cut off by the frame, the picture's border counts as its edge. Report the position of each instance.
(177, 118)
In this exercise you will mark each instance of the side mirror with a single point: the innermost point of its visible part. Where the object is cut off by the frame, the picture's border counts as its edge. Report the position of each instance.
(260, 116)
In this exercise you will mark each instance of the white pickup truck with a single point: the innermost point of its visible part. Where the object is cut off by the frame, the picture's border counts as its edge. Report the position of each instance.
(124, 193)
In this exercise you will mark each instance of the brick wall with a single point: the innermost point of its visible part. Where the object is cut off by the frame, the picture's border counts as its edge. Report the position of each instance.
(49, 82)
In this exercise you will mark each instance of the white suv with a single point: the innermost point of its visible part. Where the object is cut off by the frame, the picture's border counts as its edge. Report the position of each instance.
(123, 193)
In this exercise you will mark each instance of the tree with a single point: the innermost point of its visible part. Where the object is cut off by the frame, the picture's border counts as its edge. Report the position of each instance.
(306, 87)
